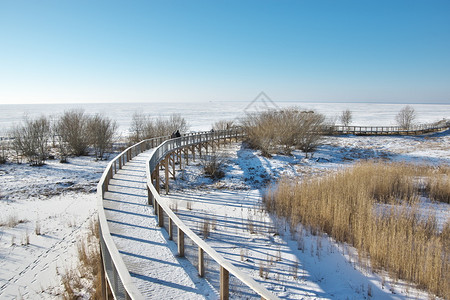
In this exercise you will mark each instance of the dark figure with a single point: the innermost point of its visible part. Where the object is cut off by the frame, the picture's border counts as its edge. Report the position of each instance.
(177, 134)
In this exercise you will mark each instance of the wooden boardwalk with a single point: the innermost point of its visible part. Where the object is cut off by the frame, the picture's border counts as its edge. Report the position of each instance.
(390, 130)
(155, 270)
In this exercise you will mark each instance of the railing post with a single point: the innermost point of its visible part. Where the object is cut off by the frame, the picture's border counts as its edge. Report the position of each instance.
(170, 229)
(180, 243)
(157, 178)
(160, 216)
(201, 262)
(149, 196)
(166, 171)
(224, 284)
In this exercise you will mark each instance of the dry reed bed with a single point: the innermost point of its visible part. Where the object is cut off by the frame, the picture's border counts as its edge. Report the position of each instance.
(85, 278)
(395, 238)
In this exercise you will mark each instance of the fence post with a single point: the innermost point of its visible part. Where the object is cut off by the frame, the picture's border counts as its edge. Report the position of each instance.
(180, 243)
(170, 229)
(201, 262)
(224, 284)
(166, 171)
(149, 196)
(160, 216)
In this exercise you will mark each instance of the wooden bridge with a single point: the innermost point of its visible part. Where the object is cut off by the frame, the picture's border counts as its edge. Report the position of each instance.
(389, 130)
(137, 228)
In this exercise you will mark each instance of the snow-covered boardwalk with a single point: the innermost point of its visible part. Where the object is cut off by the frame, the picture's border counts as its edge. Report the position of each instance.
(156, 271)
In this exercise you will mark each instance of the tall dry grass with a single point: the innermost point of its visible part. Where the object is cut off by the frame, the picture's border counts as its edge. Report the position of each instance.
(346, 206)
(86, 276)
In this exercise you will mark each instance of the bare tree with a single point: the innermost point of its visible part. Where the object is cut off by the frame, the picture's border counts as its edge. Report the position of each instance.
(138, 127)
(406, 117)
(72, 129)
(31, 140)
(346, 117)
(143, 127)
(310, 135)
(223, 125)
(101, 134)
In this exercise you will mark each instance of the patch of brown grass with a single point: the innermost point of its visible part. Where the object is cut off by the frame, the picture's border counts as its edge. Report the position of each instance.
(345, 205)
(86, 276)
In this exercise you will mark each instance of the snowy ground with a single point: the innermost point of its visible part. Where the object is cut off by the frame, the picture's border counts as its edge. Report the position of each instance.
(44, 211)
(57, 199)
(314, 267)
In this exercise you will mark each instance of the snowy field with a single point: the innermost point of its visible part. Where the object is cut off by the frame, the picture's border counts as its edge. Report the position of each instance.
(45, 210)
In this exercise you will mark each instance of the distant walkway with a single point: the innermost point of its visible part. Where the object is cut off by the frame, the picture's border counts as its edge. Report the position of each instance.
(391, 130)
(157, 273)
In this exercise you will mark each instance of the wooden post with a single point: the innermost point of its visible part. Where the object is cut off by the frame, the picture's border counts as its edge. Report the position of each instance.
(166, 169)
(173, 166)
(157, 178)
(201, 262)
(224, 284)
(170, 229)
(160, 216)
(180, 159)
(103, 275)
(180, 243)
(149, 196)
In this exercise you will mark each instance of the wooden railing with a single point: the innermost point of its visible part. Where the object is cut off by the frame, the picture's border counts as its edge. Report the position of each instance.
(180, 233)
(115, 275)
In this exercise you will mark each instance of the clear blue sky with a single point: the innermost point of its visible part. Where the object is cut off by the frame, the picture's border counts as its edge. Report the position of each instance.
(133, 51)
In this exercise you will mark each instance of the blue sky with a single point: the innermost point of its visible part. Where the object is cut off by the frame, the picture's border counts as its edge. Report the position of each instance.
(153, 51)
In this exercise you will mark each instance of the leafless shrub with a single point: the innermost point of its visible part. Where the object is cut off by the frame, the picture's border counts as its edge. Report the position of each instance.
(31, 140)
(206, 228)
(3, 151)
(406, 117)
(346, 117)
(283, 130)
(72, 128)
(144, 127)
(174, 207)
(12, 221)
(222, 125)
(102, 131)
(26, 239)
(213, 165)
(250, 224)
(294, 269)
(37, 228)
(263, 270)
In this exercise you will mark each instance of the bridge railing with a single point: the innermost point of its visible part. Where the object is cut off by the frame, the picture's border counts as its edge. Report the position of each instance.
(116, 277)
(190, 245)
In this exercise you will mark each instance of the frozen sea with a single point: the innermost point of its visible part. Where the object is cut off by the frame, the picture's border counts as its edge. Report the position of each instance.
(201, 115)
